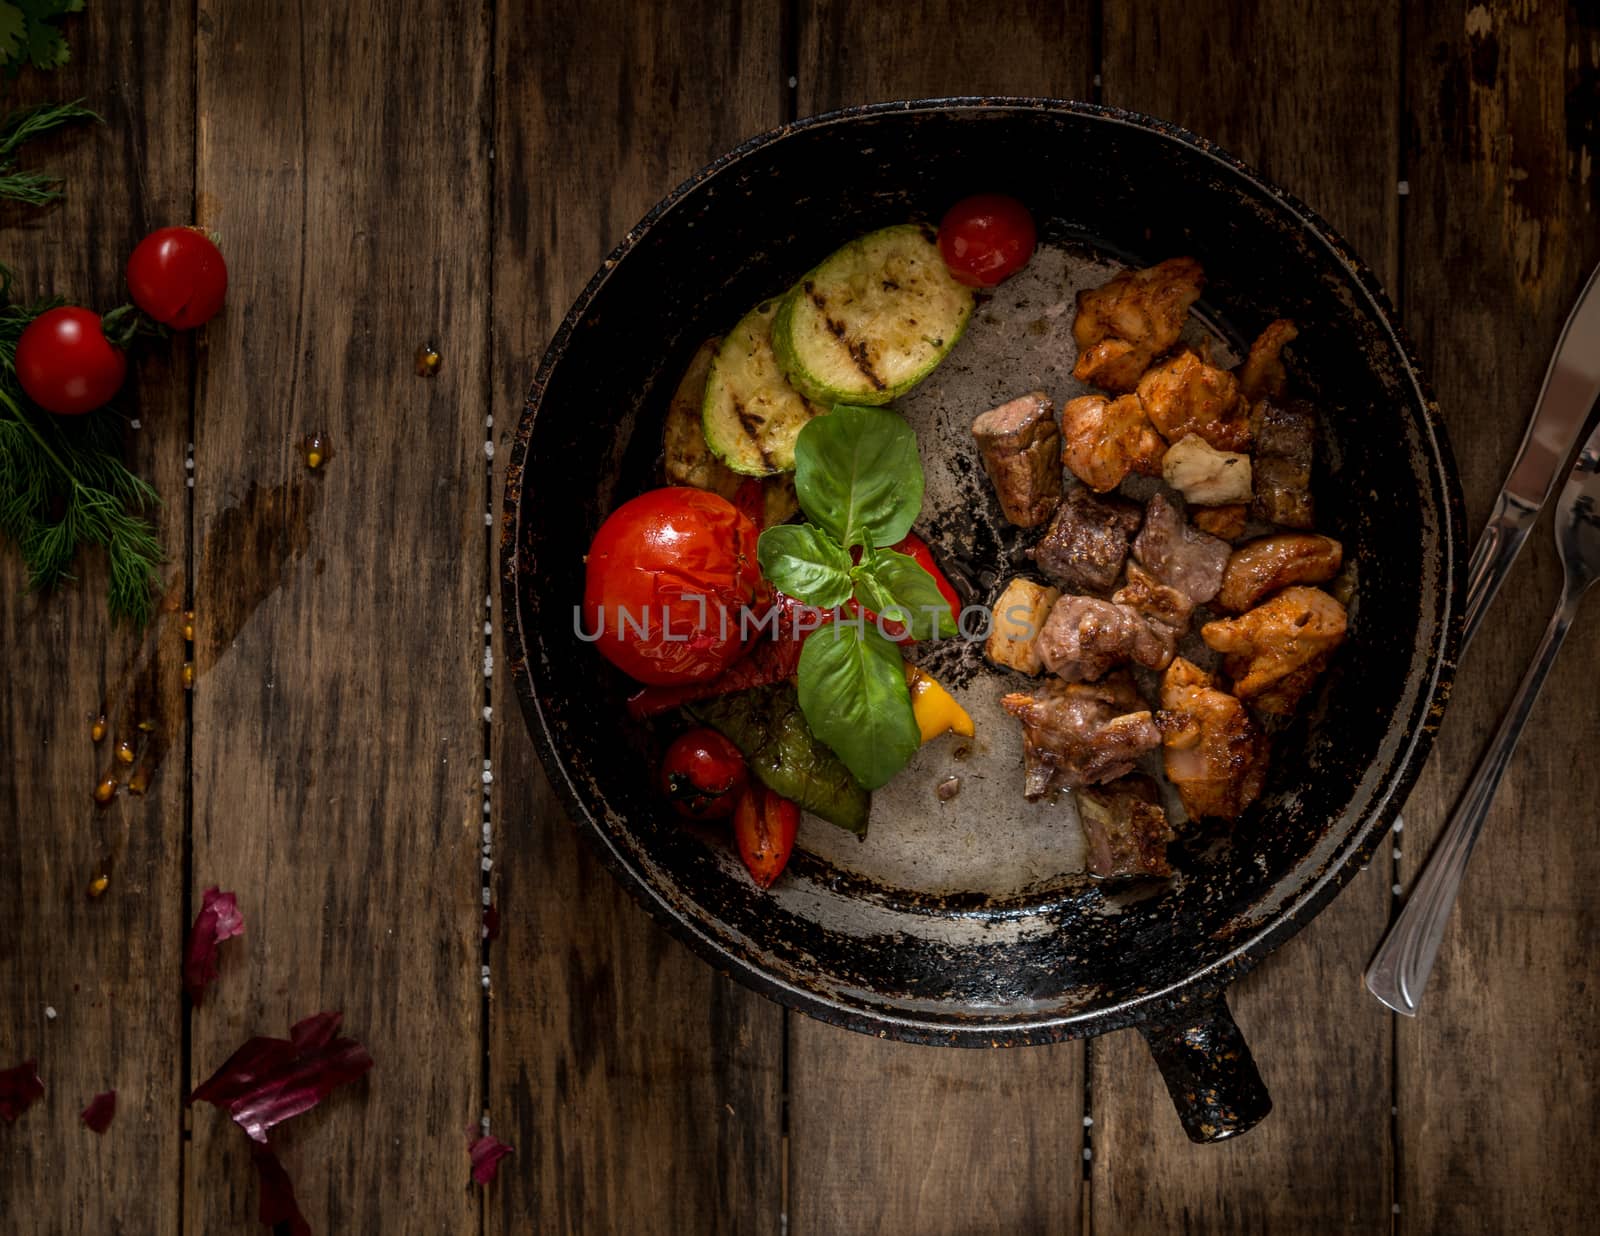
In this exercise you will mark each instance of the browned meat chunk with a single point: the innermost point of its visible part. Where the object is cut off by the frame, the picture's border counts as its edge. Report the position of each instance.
(1124, 827)
(1273, 563)
(1275, 652)
(1178, 555)
(1076, 734)
(1165, 609)
(1085, 636)
(1108, 438)
(1262, 376)
(1021, 449)
(1088, 541)
(1226, 522)
(1214, 755)
(1127, 322)
(1285, 436)
(1185, 395)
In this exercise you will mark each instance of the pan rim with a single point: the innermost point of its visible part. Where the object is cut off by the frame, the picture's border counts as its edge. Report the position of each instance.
(1279, 924)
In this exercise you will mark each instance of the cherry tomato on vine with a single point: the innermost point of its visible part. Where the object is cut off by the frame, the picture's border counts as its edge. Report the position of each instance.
(765, 825)
(178, 277)
(986, 239)
(702, 774)
(66, 364)
(665, 579)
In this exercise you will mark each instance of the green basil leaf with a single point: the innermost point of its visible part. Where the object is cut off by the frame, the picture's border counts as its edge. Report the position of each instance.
(857, 475)
(889, 581)
(766, 724)
(805, 562)
(853, 692)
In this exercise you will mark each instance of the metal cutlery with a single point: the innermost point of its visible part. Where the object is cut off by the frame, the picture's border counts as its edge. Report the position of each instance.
(1400, 968)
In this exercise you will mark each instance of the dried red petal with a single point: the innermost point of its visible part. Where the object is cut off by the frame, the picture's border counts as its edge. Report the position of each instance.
(267, 1081)
(277, 1194)
(219, 919)
(491, 923)
(20, 1089)
(100, 1110)
(486, 1155)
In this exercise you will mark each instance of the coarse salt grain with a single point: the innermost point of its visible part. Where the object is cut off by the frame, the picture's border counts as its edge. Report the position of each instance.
(488, 448)
(488, 864)
(49, 1012)
(488, 713)
(488, 777)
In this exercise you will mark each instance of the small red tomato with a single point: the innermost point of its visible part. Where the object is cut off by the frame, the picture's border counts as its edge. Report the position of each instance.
(702, 774)
(764, 825)
(665, 580)
(66, 364)
(986, 239)
(178, 277)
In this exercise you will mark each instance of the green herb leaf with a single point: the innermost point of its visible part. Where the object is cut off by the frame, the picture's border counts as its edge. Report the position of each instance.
(40, 43)
(805, 562)
(896, 585)
(857, 475)
(852, 689)
(767, 725)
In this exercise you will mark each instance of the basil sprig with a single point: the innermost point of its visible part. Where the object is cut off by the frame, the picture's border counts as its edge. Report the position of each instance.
(860, 483)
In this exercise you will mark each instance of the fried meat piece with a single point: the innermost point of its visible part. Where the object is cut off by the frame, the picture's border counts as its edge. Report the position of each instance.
(1184, 395)
(1285, 438)
(1262, 376)
(1084, 637)
(1021, 449)
(1273, 563)
(1108, 438)
(1179, 555)
(1125, 828)
(1076, 734)
(1130, 320)
(1087, 541)
(1226, 522)
(1213, 752)
(1275, 652)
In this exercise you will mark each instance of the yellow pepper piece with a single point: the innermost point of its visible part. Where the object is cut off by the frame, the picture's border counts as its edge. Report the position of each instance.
(935, 708)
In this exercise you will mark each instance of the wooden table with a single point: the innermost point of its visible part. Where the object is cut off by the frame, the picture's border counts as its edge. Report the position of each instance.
(452, 173)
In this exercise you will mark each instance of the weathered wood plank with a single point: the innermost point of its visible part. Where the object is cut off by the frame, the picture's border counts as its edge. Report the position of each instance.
(886, 1137)
(1318, 112)
(641, 1088)
(1498, 1075)
(109, 967)
(337, 732)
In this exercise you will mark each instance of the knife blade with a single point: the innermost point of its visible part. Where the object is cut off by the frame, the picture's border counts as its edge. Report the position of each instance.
(1571, 387)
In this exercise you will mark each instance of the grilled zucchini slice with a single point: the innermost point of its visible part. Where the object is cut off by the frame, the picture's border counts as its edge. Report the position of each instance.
(872, 320)
(751, 414)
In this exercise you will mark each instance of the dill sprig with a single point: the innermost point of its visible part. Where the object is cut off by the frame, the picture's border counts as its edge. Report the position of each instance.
(63, 485)
(22, 125)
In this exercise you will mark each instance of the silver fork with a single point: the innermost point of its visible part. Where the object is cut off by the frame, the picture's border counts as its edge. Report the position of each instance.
(1400, 968)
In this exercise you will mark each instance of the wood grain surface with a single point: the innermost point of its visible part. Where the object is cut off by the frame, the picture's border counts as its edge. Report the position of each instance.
(642, 1088)
(453, 177)
(107, 968)
(1498, 1075)
(1321, 1162)
(338, 740)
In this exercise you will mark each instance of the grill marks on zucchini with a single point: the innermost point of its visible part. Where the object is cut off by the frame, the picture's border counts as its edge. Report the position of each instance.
(872, 320)
(752, 415)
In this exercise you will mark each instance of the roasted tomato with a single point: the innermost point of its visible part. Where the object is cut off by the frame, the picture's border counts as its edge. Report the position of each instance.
(765, 825)
(702, 774)
(666, 578)
(986, 239)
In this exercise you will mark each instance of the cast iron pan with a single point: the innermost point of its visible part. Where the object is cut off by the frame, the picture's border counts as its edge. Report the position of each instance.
(971, 923)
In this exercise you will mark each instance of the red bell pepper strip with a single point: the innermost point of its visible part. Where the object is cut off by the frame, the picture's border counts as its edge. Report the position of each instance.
(915, 547)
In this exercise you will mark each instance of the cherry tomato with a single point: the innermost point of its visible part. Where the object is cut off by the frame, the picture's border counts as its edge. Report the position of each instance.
(765, 825)
(178, 277)
(986, 239)
(667, 575)
(66, 363)
(702, 775)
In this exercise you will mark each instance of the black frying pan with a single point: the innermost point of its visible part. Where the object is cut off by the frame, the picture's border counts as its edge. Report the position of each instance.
(977, 935)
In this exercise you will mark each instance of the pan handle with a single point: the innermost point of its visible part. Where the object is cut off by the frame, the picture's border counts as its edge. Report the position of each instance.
(1208, 1069)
